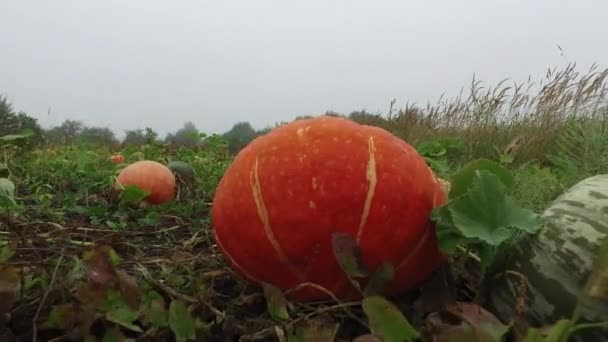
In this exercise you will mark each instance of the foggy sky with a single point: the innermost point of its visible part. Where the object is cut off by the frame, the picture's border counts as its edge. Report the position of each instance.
(126, 64)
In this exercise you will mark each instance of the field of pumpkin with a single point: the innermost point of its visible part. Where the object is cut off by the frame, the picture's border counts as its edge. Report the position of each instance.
(322, 229)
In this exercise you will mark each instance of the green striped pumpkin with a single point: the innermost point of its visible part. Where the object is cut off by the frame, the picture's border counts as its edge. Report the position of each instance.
(185, 172)
(558, 260)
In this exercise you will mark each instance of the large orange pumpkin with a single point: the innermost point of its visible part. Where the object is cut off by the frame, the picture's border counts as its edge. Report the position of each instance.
(150, 176)
(279, 202)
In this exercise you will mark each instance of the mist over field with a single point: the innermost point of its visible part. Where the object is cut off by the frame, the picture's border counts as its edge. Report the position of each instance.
(126, 65)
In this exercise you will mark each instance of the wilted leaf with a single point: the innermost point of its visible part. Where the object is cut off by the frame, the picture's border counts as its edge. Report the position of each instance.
(378, 280)
(476, 324)
(463, 179)
(348, 255)
(484, 214)
(129, 289)
(387, 322)
(314, 330)
(91, 294)
(275, 302)
(99, 263)
(181, 321)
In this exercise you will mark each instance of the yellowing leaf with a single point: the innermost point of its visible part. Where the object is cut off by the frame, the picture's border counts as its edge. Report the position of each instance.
(275, 302)
(319, 330)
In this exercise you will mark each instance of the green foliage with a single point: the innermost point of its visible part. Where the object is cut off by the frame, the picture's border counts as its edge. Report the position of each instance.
(386, 320)
(239, 136)
(181, 322)
(440, 154)
(534, 186)
(581, 150)
(480, 213)
(275, 302)
(7, 191)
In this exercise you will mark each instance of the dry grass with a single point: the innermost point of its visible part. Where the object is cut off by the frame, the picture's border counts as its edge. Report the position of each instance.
(525, 118)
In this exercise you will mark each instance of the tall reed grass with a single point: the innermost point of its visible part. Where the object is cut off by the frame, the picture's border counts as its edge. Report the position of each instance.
(526, 120)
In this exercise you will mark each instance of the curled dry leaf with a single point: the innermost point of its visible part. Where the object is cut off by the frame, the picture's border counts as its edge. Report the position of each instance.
(129, 289)
(100, 263)
(465, 322)
(320, 329)
(348, 255)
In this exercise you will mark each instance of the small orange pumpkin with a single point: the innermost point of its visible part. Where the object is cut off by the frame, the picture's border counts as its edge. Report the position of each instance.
(117, 159)
(149, 176)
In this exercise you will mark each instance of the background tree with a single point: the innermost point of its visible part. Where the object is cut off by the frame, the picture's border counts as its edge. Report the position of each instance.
(66, 133)
(15, 123)
(188, 135)
(239, 136)
(99, 136)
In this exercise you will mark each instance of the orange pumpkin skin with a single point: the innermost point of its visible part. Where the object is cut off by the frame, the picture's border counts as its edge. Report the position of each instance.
(150, 176)
(279, 202)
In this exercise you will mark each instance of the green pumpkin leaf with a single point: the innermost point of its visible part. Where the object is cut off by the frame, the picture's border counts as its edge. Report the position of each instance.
(378, 280)
(123, 316)
(463, 179)
(275, 302)
(154, 309)
(181, 321)
(387, 322)
(132, 194)
(484, 214)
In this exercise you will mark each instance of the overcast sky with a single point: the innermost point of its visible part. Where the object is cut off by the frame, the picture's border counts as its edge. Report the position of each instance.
(125, 64)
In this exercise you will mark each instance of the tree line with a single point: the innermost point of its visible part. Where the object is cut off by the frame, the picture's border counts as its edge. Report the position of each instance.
(72, 131)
